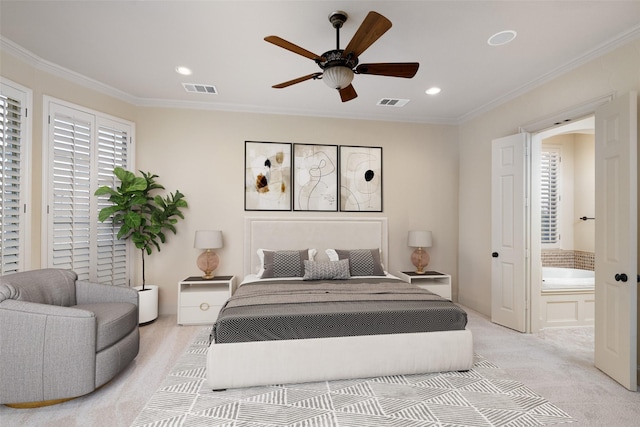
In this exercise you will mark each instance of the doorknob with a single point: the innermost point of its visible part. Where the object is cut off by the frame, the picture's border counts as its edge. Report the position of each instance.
(495, 254)
(621, 277)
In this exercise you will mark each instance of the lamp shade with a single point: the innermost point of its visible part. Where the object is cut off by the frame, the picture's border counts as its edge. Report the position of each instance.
(419, 239)
(337, 77)
(208, 239)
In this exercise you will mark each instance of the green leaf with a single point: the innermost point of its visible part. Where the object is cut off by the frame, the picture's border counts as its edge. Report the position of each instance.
(105, 213)
(105, 190)
(132, 219)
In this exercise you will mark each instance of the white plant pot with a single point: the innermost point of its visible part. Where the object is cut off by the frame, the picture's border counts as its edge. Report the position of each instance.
(147, 303)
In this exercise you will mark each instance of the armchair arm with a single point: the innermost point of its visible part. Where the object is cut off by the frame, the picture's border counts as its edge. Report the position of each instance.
(93, 293)
(47, 352)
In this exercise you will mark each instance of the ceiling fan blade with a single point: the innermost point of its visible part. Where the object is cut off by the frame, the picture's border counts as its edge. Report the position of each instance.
(391, 69)
(348, 93)
(298, 80)
(371, 29)
(291, 47)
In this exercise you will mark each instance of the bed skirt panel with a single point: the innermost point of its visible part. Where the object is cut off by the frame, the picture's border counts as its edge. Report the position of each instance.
(248, 364)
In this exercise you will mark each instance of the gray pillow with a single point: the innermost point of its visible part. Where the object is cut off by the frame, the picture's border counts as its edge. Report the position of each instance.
(284, 263)
(362, 262)
(330, 270)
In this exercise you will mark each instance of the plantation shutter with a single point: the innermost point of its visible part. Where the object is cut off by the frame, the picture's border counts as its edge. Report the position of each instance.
(112, 256)
(70, 211)
(12, 179)
(85, 147)
(549, 196)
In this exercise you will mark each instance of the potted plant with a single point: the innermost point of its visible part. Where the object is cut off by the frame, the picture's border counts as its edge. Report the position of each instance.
(143, 217)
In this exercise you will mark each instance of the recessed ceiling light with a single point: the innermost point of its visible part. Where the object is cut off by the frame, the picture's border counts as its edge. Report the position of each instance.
(503, 37)
(183, 70)
(433, 91)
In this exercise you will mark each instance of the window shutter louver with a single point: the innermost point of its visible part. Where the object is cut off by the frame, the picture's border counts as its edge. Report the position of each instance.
(11, 193)
(549, 196)
(85, 147)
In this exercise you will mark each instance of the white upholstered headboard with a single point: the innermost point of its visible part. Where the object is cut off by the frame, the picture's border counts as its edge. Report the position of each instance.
(318, 233)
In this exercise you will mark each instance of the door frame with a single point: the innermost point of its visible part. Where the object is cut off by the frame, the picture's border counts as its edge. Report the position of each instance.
(539, 129)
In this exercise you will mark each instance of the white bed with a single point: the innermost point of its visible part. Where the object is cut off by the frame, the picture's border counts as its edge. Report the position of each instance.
(245, 364)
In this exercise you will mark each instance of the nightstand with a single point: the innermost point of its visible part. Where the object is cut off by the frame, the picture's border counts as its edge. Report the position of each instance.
(200, 300)
(434, 281)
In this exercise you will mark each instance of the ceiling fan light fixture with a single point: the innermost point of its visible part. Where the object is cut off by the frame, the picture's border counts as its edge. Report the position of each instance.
(337, 77)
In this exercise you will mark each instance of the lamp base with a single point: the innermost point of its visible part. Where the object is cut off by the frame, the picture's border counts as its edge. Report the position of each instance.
(420, 259)
(208, 261)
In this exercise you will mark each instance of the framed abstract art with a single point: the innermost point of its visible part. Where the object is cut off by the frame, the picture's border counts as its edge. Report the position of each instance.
(360, 179)
(315, 177)
(267, 176)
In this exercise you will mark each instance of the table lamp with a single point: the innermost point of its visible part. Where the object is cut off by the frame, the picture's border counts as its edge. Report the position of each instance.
(208, 260)
(420, 257)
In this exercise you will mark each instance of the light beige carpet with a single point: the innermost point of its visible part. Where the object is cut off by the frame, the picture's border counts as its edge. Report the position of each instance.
(484, 396)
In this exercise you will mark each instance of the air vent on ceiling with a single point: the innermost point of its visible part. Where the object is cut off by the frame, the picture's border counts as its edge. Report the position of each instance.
(198, 88)
(392, 102)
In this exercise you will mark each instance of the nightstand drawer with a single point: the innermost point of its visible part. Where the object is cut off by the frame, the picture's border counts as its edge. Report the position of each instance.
(205, 314)
(194, 296)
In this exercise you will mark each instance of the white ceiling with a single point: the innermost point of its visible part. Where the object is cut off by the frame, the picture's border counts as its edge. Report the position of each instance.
(131, 49)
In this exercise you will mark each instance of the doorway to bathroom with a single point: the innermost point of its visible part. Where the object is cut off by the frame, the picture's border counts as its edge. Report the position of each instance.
(563, 226)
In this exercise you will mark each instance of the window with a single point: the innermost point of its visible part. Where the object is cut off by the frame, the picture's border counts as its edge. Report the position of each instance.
(14, 169)
(550, 194)
(83, 149)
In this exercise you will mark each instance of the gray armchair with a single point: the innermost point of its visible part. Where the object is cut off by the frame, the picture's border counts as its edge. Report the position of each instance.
(62, 338)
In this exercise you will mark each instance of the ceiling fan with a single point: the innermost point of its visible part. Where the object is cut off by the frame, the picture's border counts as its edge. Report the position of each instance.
(339, 65)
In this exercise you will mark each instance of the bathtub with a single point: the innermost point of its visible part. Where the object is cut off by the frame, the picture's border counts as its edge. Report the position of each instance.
(567, 297)
(555, 278)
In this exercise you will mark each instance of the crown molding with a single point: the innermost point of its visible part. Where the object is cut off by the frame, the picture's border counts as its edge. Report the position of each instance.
(56, 70)
(62, 72)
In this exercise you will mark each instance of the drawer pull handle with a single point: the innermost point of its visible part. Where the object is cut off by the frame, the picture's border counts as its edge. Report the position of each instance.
(204, 306)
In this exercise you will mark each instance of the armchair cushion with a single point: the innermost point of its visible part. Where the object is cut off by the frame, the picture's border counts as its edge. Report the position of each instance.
(114, 321)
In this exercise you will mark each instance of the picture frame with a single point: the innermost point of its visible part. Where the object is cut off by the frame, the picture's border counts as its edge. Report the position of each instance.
(315, 177)
(267, 176)
(360, 179)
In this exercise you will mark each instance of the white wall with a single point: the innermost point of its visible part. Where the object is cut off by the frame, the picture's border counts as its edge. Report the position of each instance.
(201, 153)
(585, 190)
(617, 72)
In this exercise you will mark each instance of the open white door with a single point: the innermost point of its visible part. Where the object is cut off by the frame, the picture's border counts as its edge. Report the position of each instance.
(616, 240)
(508, 213)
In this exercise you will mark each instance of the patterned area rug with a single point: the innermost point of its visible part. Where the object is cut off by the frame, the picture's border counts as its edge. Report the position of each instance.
(483, 396)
